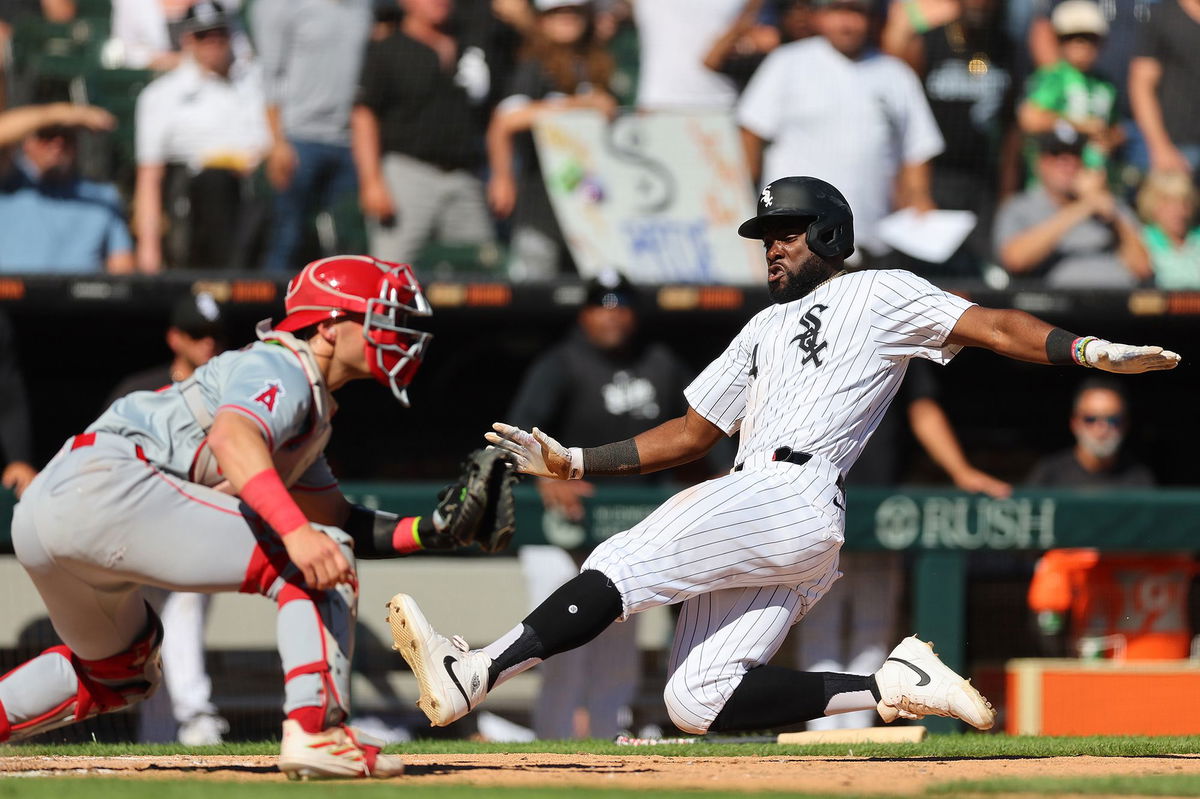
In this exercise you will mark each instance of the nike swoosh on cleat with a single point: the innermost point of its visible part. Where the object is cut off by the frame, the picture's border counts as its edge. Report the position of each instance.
(920, 672)
(450, 660)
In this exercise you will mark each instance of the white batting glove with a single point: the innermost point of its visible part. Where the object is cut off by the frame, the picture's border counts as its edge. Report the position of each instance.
(1126, 359)
(537, 453)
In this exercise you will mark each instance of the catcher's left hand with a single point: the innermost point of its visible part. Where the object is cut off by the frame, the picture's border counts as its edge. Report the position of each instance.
(478, 508)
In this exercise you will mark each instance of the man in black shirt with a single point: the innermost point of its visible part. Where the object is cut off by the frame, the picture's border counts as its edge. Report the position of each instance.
(416, 133)
(1162, 85)
(601, 382)
(1099, 421)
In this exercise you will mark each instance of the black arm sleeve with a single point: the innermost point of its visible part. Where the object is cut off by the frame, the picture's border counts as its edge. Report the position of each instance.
(16, 430)
(372, 532)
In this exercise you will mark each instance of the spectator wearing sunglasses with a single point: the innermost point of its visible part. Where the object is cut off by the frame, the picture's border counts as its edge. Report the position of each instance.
(1099, 422)
(1070, 90)
(51, 219)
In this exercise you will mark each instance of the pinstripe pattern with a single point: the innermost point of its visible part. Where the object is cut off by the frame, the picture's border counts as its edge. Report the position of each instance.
(749, 553)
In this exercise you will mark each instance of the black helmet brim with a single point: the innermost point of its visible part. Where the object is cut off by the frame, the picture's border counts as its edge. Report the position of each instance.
(755, 227)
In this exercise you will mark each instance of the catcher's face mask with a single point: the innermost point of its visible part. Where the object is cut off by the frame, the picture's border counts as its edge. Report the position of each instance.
(384, 294)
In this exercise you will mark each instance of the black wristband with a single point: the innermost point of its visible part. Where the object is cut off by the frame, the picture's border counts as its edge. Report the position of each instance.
(618, 458)
(1060, 347)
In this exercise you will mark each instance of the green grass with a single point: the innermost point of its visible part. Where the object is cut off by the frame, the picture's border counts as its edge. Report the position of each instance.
(1151, 785)
(937, 746)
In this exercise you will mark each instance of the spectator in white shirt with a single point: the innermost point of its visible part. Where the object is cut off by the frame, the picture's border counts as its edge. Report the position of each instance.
(207, 116)
(674, 36)
(834, 107)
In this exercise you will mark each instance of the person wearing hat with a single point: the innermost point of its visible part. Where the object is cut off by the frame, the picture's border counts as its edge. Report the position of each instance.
(206, 121)
(602, 381)
(1070, 90)
(52, 220)
(834, 107)
(1069, 230)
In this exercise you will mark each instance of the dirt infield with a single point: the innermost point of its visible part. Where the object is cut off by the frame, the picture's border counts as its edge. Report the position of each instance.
(808, 774)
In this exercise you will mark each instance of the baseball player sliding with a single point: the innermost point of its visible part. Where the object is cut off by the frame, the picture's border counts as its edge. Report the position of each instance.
(748, 554)
(219, 483)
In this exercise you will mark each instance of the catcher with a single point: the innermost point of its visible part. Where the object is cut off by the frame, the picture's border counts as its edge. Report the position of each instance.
(219, 483)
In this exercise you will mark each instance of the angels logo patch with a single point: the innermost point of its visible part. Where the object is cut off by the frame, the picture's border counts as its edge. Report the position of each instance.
(271, 392)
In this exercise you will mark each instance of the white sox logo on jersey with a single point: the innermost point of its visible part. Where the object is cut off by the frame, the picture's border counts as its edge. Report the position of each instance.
(271, 391)
(808, 336)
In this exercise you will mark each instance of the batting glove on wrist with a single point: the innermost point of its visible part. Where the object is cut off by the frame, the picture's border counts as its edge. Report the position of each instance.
(533, 453)
(1126, 359)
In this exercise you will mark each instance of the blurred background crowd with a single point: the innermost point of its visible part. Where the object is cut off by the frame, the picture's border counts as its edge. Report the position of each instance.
(258, 134)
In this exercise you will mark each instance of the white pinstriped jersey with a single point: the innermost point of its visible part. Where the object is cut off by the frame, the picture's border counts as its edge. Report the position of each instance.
(817, 374)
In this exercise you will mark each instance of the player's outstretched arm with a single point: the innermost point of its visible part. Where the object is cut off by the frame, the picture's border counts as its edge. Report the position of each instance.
(1024, 337)
(674, 442)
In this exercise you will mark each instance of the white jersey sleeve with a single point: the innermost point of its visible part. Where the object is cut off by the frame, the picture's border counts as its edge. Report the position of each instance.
(270, 389)
(912, 317)
(720, 392)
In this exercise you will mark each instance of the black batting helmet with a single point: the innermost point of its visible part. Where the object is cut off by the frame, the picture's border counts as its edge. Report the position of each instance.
(831, 231)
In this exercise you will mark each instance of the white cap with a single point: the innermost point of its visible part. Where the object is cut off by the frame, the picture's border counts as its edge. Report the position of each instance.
(550, 5)
(1078, 16)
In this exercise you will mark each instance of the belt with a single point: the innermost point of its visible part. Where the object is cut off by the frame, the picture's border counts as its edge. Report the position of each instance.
(789, 455)
(89, 439)
(784, 454)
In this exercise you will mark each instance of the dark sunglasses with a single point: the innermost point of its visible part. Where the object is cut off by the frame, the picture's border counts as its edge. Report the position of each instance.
(55, 132)
(1111, 421)
(219, 32)
(1080, 37)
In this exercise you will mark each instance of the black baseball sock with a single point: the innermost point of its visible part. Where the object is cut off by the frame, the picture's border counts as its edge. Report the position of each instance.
(577, 612)
(769, 697)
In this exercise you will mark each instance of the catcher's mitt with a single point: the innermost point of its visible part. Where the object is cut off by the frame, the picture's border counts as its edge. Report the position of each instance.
(478, 507)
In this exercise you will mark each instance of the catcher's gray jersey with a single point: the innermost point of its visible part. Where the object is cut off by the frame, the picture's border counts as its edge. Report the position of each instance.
(273, 382)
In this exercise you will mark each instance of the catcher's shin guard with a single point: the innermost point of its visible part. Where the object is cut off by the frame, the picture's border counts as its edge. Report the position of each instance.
(58, 687)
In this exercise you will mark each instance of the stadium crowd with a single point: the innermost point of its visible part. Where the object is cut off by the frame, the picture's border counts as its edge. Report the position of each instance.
(258, 133)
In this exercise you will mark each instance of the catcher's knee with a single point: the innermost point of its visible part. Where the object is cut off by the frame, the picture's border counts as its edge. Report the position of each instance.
(685, 711)
(134, 674)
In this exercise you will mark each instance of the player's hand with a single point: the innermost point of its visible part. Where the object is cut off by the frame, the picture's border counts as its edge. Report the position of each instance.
(318, 557)
(534, 453)
(976, 482)
(17, 476)
(1127, 359)
(565, 496)
(281, 165)
(376, 202)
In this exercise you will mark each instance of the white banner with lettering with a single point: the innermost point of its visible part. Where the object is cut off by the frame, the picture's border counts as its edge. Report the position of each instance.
(657, 196)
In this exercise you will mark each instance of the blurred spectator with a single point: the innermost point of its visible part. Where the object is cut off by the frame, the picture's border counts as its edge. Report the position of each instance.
(602, 381)
(1163, 78)
(742, 48)
(16, 430)
(1087, 602)
(967, 67)
(851, 629)
(205, 120)
(147, 34)
(1070, 91)
(194, 335)
(1099, 422)
(415, 131)
(1069, 230)
(308, 108)
(1167, 203)
(834, 107)
(674, 36)
(11, 13)
(51, 220)
(565, 67)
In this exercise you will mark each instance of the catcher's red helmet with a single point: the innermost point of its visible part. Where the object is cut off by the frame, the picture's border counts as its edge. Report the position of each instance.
(383, 294)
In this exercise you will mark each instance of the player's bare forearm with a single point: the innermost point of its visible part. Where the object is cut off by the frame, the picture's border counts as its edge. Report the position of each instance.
(238, 445)
(1014, 334)
(673, 443)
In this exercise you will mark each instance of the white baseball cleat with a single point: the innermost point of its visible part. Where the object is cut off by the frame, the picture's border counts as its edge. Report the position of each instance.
(453, 679)
(914, 683)
(336, 753)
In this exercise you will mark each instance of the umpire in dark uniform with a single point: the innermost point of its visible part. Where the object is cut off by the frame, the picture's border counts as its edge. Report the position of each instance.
(603, 383)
